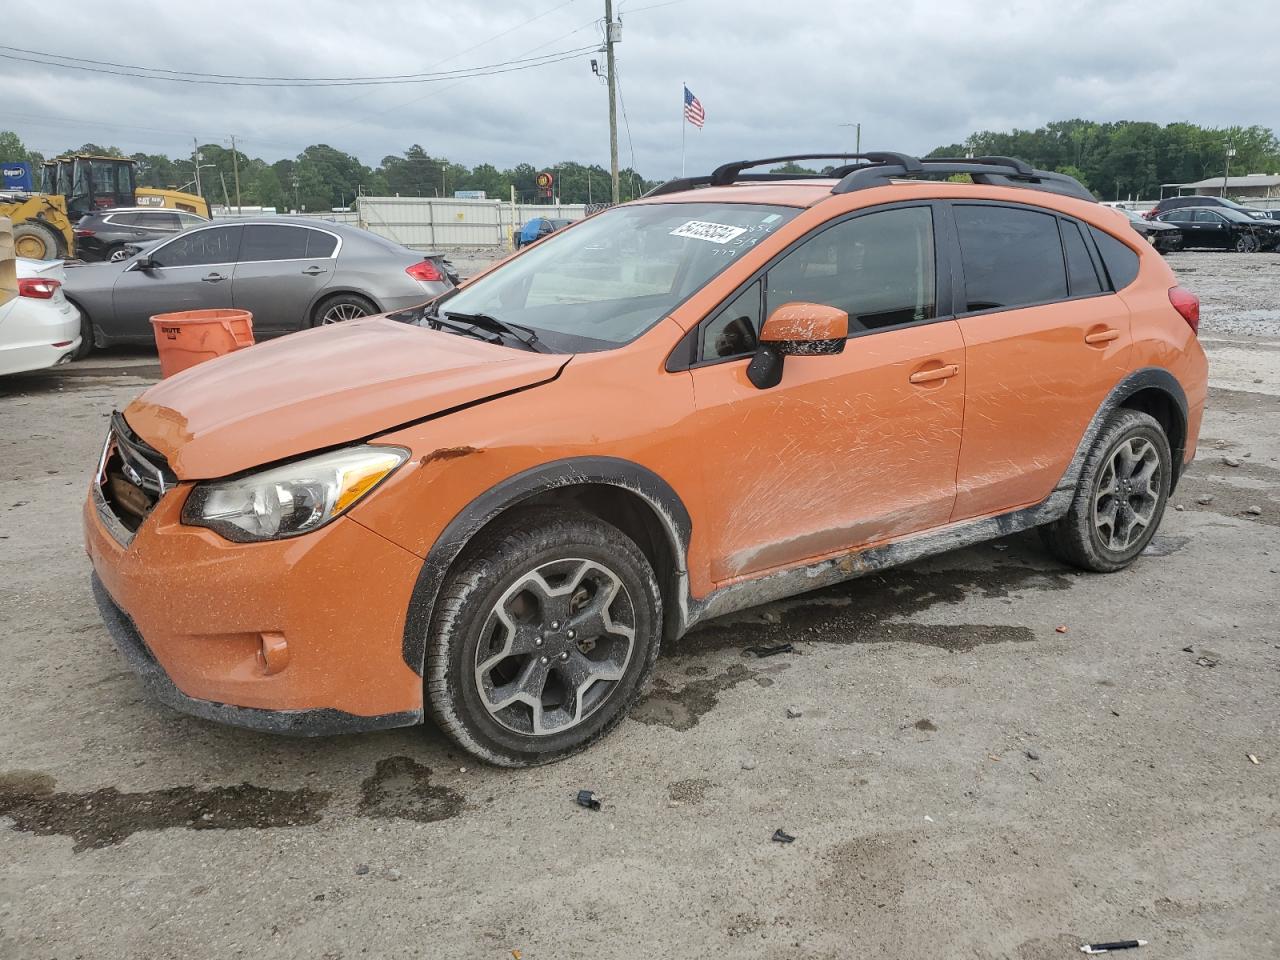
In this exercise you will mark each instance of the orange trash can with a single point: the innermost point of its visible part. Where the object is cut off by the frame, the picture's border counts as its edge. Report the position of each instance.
(188, 337)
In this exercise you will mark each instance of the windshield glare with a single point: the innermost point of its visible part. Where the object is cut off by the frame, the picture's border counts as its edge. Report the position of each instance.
(606, 280)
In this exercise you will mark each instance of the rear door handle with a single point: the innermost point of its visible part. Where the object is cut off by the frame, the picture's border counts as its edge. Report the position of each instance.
(937, 373)
(314, 271)
(213, 278)
(1102, 336)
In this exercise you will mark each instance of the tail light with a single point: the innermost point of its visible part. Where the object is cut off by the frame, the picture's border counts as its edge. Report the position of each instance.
(424, 270)
(82, 232)
(37, 288)
(1187, 304)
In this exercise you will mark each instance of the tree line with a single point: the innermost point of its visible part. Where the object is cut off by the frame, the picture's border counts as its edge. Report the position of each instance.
(322, 177)
(1122, 160)
(1119, 160)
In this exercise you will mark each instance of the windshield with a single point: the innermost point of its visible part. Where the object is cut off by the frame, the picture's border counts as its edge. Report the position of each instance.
(606, 280)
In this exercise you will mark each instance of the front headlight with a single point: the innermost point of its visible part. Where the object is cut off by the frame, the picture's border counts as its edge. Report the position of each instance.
(293, 499)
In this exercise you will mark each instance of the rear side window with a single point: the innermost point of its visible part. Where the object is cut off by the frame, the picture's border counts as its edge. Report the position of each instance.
(320, 244)
(1011, 258)
(124, 219)
(1121, 262)
(878, 268)
(263, 242)
(1081, 275)
(158, 221)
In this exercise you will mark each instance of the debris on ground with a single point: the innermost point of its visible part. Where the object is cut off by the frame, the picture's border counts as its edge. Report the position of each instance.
(1253, 758)
(748, 763)
(1188, 649)
(781, 836)
(1205, 499)
(1253, 510)
(362, 869)
(1206, 662)
(771, 651)
(1112, 945)
(1031, 754)
(1061, 629)
(588, 799)
(794, 713)
(1231, 461)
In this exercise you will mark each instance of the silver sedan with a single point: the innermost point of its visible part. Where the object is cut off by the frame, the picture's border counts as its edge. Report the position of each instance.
(290, 273)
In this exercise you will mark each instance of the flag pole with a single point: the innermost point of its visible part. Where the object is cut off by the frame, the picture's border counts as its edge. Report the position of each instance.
(682, 89)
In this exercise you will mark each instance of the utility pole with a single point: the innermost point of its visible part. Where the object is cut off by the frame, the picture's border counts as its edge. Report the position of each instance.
(235, 166)
(612, 33)
(195, 156)
(857, 135)
(1231, 152)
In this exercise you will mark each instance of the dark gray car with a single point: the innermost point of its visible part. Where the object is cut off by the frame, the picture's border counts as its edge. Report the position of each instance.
(290, 273)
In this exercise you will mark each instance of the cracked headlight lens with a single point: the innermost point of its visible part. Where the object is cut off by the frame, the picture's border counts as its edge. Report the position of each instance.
(293, 499)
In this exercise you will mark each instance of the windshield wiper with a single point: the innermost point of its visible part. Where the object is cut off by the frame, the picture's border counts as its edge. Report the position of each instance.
(522, 335)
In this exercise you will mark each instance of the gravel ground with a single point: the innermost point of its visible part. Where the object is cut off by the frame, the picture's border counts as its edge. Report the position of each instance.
(964, 778)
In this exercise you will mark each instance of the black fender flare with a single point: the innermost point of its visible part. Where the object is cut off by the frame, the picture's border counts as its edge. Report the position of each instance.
(1146, 378)
(612, 471)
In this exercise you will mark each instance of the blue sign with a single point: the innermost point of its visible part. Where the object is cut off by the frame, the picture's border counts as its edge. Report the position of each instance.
(17, 176)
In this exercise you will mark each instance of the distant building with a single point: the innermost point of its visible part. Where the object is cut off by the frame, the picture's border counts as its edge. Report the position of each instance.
(1258, 186)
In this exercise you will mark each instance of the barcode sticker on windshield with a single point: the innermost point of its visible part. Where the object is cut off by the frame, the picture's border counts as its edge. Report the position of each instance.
(711, 232)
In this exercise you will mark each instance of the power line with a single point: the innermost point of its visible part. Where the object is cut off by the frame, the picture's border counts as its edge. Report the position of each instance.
(487, 70)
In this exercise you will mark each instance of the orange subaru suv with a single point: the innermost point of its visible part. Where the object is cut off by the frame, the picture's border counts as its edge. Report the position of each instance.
(491, 510)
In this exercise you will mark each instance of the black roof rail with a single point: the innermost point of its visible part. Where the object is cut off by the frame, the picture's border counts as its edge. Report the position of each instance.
(882, 167)
(990, 171)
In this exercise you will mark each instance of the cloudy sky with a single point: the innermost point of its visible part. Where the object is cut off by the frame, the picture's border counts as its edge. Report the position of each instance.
(774, 77)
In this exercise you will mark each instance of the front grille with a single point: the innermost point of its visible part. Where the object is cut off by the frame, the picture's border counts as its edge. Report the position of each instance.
(132, 476)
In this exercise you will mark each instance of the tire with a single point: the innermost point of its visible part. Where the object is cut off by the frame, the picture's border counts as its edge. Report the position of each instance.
(340, 307)
(1247, 243)
(1084, 539)
(116, 253)
(36, 241)
(473, 678)
(86, 336)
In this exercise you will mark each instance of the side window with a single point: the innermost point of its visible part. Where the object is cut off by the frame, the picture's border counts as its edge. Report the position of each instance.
(1121, 262)
(320, 244)
(262, 242)
(1081, 275)
(1178, 216)
(1206, 216)
(878, 268)
(732, 332)
(216, 245)
(124, 219)
(158, 221)
(1011, 257)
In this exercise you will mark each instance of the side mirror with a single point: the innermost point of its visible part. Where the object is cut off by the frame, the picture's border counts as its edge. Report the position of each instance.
(141, 262)
(796, 330)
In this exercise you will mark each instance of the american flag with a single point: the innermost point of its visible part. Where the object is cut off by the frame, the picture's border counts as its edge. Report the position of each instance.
(693, 111)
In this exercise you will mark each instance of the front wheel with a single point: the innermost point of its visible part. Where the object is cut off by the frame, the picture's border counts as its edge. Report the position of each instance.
(542, 638)
(1120, 496)
(1247, 243)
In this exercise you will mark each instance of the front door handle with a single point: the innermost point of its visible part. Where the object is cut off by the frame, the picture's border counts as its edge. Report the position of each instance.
(314, 271)
(213, 278)
(937, 373)
(1102, 336)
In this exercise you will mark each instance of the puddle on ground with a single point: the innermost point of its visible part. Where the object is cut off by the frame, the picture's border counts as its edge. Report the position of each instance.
(101, 818)
(665, 706)
(401, 789)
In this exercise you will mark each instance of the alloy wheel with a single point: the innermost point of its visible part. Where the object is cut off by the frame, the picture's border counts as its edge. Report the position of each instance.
(1127, 494)
(555, 646)
(1247, 243)
(342, 311)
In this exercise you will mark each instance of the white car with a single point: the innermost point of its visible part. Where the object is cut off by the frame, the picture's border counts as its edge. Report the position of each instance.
(40, 327)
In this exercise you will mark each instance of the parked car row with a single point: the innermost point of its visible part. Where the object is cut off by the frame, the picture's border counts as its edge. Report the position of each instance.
(290, 273)
(1221, 228)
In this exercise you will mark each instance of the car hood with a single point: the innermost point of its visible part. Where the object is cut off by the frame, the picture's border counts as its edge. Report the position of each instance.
(320, 388)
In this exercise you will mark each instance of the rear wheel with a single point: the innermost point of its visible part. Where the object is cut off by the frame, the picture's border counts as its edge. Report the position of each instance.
(340, 307)
(1120, 496)
(542, 638)
(35, 241)
(116, 254)
(86, 337)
